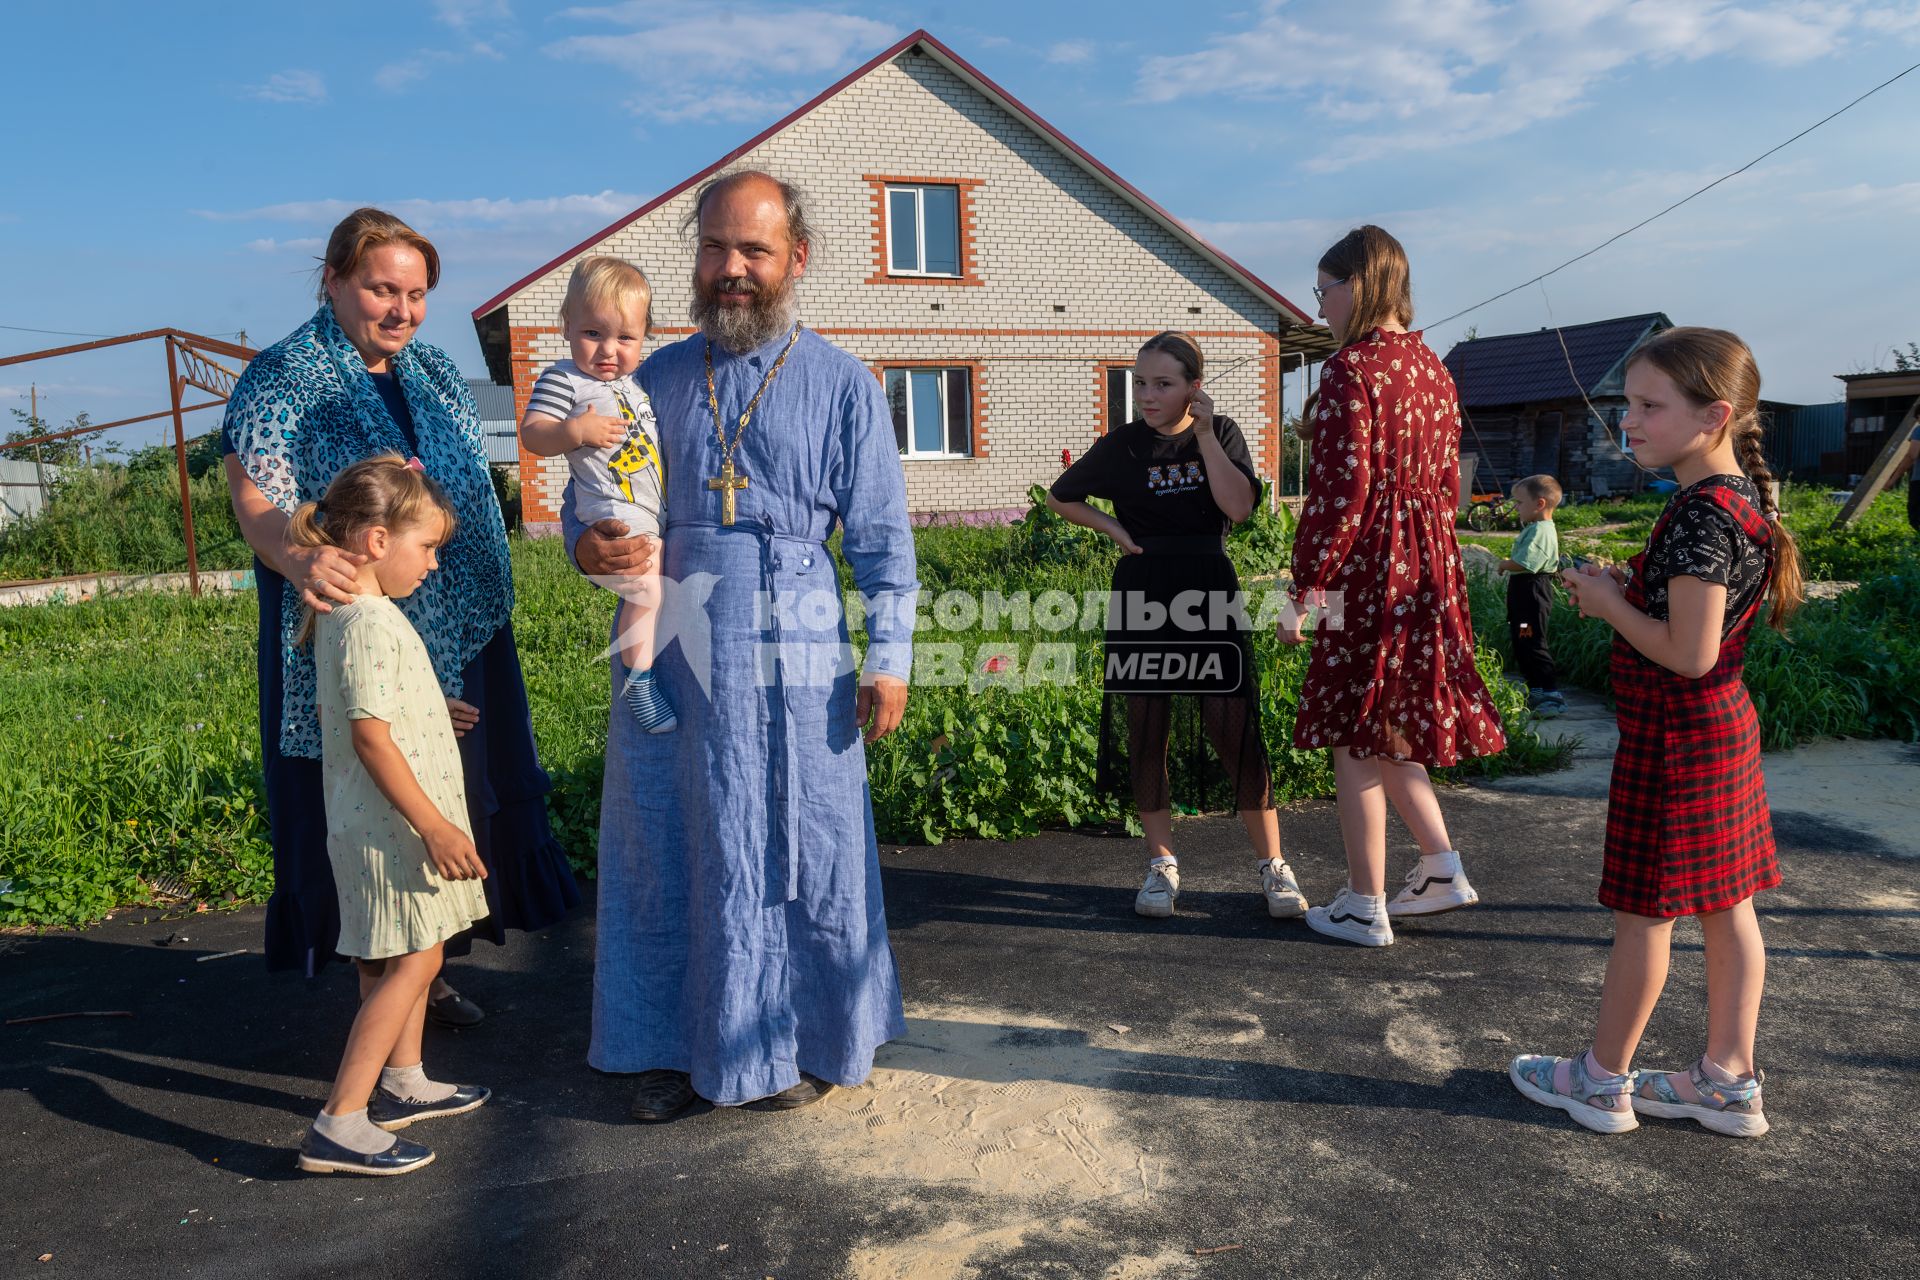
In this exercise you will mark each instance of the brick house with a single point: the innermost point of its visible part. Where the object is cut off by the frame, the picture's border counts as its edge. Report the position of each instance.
(994, 276)
(1530, 404)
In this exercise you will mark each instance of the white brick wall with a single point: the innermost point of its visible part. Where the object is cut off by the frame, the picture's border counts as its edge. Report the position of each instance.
(1046, 235)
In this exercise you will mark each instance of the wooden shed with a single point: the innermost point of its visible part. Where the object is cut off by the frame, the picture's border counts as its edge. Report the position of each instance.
(1550, 401)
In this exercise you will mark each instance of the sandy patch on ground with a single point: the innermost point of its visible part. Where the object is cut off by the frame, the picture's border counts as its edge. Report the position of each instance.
(1864, 786)
(1869, 787)
(1011, 1109)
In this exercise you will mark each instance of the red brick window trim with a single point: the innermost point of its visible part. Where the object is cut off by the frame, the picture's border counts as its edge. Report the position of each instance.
(976, 406)
(883, 271)
(1111, 377)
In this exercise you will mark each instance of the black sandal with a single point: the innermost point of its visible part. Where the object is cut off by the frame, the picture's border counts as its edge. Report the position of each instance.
(662, 1095)
(809, 1091)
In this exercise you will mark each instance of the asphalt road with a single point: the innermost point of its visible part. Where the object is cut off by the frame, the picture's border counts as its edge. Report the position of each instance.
(1083, 1093)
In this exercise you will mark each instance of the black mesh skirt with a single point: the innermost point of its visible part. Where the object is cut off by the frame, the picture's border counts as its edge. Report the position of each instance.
(1178, 679)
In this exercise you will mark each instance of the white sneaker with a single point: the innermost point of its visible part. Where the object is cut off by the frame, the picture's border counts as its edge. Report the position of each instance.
(1284, 899)
(1434, 886)
(1157, 895)
(1338, 920)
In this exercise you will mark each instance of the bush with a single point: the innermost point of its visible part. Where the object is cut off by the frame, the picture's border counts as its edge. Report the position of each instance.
(1846, 667)
(114, 518)
(128, 737)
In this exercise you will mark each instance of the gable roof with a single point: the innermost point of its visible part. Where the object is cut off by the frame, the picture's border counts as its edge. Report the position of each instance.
(1520, 368)
(961, 68)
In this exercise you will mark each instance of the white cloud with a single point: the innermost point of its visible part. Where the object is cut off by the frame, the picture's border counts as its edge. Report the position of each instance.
(289, 86)
(672, 107)
(1071, 51)
(396, 76)
(1863, 197)
(303, 244)
(481, 211)
(464, 15)
(1893, 21)
(479, 25)
(725, 65)
(1405, 75)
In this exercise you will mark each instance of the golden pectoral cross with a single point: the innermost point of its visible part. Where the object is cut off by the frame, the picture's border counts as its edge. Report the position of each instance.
(727, 483)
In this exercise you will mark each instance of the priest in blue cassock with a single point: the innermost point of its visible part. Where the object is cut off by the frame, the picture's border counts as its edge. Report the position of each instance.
(743, 953)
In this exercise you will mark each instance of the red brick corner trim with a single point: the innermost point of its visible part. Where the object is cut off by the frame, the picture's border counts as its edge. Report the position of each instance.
(523, 344)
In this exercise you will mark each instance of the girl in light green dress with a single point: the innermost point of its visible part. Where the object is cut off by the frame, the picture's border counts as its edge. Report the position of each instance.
(398, 836)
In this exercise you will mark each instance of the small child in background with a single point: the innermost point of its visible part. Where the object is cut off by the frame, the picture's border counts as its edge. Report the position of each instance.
(1689, 832)
(591, 409)
(1531, 567)
(398, 834)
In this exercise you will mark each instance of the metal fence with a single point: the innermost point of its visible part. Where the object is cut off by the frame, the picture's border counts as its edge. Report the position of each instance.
(1799, 436)
(23, 488)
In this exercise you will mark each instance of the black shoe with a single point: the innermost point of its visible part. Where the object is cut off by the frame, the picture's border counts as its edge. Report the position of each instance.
(454, 1010)
(662, 1095)
(324, 1155)
(390, 1111)
(809, 1091)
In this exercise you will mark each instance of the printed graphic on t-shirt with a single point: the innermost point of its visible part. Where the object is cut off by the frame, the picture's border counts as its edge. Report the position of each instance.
(1174, 477)
(637, 455)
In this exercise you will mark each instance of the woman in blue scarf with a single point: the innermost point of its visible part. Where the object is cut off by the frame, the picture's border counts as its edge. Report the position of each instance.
(349, 383)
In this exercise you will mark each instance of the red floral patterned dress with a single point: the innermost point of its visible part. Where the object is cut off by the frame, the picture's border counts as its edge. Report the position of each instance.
(1392, 671)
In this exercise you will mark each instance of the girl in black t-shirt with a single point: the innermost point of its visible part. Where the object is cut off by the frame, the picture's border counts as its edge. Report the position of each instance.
(1179, 478)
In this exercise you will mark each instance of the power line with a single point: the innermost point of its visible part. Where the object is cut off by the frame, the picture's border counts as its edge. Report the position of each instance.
(58, 333)
(1677, 203)
(71, 333)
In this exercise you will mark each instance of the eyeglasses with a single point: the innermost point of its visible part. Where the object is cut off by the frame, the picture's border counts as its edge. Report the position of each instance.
(1320, 294)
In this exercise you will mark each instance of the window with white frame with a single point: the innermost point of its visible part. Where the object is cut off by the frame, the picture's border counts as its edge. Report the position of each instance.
(932, 412)
(923, 231)
(1119, 398)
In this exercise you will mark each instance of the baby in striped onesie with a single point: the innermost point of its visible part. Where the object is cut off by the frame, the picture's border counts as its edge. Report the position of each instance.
(591, 409)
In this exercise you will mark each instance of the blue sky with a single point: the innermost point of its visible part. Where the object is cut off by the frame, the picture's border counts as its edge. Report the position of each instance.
(180, 164)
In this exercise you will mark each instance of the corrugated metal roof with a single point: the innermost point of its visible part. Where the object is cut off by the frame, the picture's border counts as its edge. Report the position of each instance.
(497, 426)
(494, 400)
(1520, 368)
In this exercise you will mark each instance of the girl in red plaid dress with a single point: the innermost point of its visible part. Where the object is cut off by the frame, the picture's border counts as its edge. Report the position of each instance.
(1688, 831)
(1391, 687)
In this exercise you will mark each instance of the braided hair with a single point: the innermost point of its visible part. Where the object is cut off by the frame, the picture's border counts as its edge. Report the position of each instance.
(1710, 366)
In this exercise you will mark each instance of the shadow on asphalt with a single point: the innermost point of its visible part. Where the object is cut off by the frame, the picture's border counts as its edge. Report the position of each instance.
(965, 898)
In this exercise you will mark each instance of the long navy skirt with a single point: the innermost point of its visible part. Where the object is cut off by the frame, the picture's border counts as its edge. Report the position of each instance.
(529, 884)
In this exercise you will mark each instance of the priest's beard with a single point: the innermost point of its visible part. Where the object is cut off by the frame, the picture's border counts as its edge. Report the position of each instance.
(741, 329)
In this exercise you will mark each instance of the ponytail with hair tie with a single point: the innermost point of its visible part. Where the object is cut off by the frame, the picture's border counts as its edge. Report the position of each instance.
(384, 490)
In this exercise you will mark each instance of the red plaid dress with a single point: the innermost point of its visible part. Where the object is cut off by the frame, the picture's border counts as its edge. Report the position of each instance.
(1688, 829)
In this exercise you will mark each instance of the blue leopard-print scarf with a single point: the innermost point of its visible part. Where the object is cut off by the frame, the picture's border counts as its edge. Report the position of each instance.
(304, 410)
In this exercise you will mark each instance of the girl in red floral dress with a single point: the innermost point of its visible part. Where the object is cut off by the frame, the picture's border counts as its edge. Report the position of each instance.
(1392, 686)
(1688, 829)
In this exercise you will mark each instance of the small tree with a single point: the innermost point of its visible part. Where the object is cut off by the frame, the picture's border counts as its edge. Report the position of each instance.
(1907, 361)
(55, 453)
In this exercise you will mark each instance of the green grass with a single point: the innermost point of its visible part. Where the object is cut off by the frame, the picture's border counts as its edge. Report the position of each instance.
(1845, 667)
(1875, 544)
(129, 747)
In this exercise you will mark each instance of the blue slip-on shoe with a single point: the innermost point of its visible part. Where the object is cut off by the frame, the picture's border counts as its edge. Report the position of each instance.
(390, 1111)
(323, 1155)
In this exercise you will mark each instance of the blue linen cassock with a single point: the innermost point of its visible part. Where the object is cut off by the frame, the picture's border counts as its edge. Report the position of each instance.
(742, 935)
